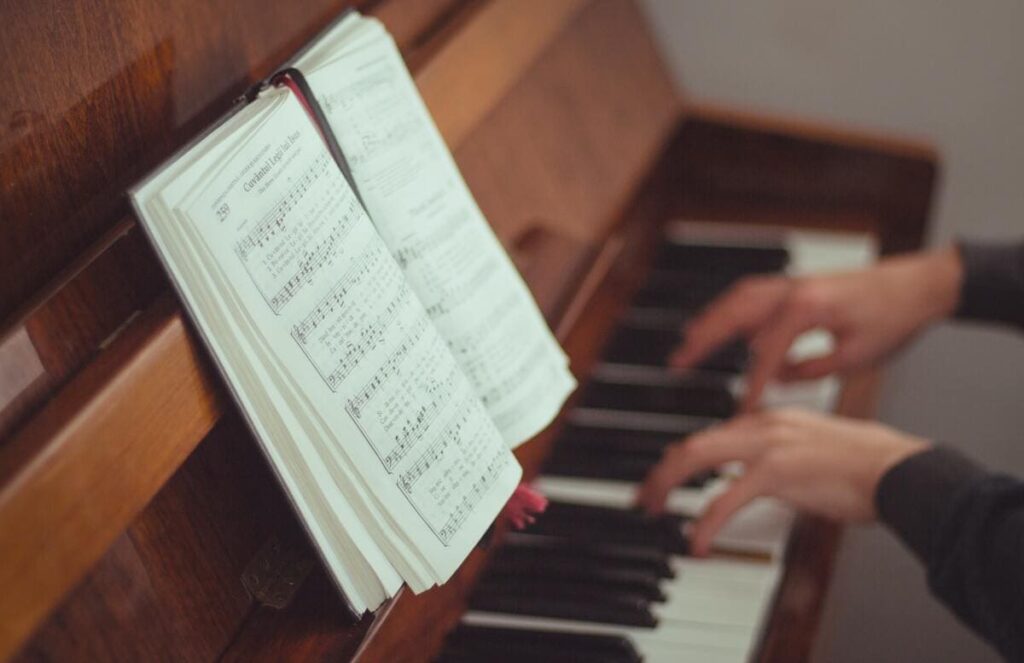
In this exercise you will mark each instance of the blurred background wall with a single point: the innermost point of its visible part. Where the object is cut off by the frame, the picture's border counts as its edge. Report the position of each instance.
(953, 74)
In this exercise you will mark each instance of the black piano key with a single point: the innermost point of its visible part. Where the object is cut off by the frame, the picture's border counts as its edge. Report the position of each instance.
(662, 318)
(651, 346)
(730, 358)
(633, 467)
(613, 527)
(698, 284)
(621, 440)
(539, 601)
(674, 297)
(532, 548)
(683, 398)
(639, 345)
(518, 645)
(560, 589)
(612, 466)
(739, 260)
(569, 451)
(646, 585)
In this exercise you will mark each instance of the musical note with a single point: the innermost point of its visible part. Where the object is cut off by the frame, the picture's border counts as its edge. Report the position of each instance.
(284, 251)
(375, 121)
(439, 237)
(449, 456)
(356, 317)
(273, 223)
(412, 395)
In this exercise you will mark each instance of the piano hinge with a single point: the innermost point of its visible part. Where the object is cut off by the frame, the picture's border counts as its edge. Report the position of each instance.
(276, 572)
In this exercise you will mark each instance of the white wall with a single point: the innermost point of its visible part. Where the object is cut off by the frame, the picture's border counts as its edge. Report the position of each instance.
(948, 72)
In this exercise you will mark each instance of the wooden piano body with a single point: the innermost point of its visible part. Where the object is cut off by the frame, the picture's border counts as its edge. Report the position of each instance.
(131, 496)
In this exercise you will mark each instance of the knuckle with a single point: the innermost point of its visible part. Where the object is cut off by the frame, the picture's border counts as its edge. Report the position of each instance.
(779, 426)
(789, 415)
(808, 296)
(745, 286)
(675, 456)
(748, 288)
(694, 447)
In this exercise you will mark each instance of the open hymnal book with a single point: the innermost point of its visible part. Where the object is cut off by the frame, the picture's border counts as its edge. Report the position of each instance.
(377, 338)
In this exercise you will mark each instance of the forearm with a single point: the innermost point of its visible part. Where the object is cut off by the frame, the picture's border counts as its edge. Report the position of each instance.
(967, 526)
(992, 288)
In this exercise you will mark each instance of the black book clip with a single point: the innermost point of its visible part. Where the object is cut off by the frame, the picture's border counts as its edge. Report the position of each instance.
(252, 92)
(293, 79)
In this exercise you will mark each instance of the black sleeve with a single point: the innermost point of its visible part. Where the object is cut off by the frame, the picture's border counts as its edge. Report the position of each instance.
(967, 526)
(993, 285)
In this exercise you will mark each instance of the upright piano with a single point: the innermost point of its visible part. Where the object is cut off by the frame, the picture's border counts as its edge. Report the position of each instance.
(138, 520)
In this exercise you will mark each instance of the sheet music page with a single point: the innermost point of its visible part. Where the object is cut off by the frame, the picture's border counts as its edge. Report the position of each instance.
(314, 277)
(352, 557)
(429, 220)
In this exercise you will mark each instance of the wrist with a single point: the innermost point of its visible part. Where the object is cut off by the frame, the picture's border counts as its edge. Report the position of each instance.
(897, 448)
(943, 273)
(901, 449)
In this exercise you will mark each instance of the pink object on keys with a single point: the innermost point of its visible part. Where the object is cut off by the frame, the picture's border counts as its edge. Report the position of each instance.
(524, 506)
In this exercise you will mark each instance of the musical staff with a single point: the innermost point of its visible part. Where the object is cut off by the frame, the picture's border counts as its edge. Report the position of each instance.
(369, 262)
(455, 294)
(465, 345)
(360, 344)
(411, 252)
(273, 224)
(520, 374)
(412, 395)
(433, 453)
(355, 317)
(302, 236)
(418, 422)
(377, 121)
(497, 462)
(457, 454)
(438, 235)
(314, 258)
(391, 368)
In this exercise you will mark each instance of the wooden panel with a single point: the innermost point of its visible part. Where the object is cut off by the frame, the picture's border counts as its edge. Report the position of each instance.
(415, 24)
(96, 293)
(96, 92)
(82, 469)
(170, 586)
(116, 595)
(468, 78)
(71, 325)
(730, 159)
(569, 145)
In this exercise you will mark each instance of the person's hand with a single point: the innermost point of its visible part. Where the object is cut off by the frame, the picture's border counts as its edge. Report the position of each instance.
(824, 465)
(870, 313)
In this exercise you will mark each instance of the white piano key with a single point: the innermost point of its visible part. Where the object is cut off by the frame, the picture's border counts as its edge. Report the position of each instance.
(615, 494)
(714, 609)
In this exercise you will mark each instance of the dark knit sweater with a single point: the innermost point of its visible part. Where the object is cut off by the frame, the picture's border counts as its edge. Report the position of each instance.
(967, 524)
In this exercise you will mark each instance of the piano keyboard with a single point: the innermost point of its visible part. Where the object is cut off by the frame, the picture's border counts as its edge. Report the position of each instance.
(594, 579)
